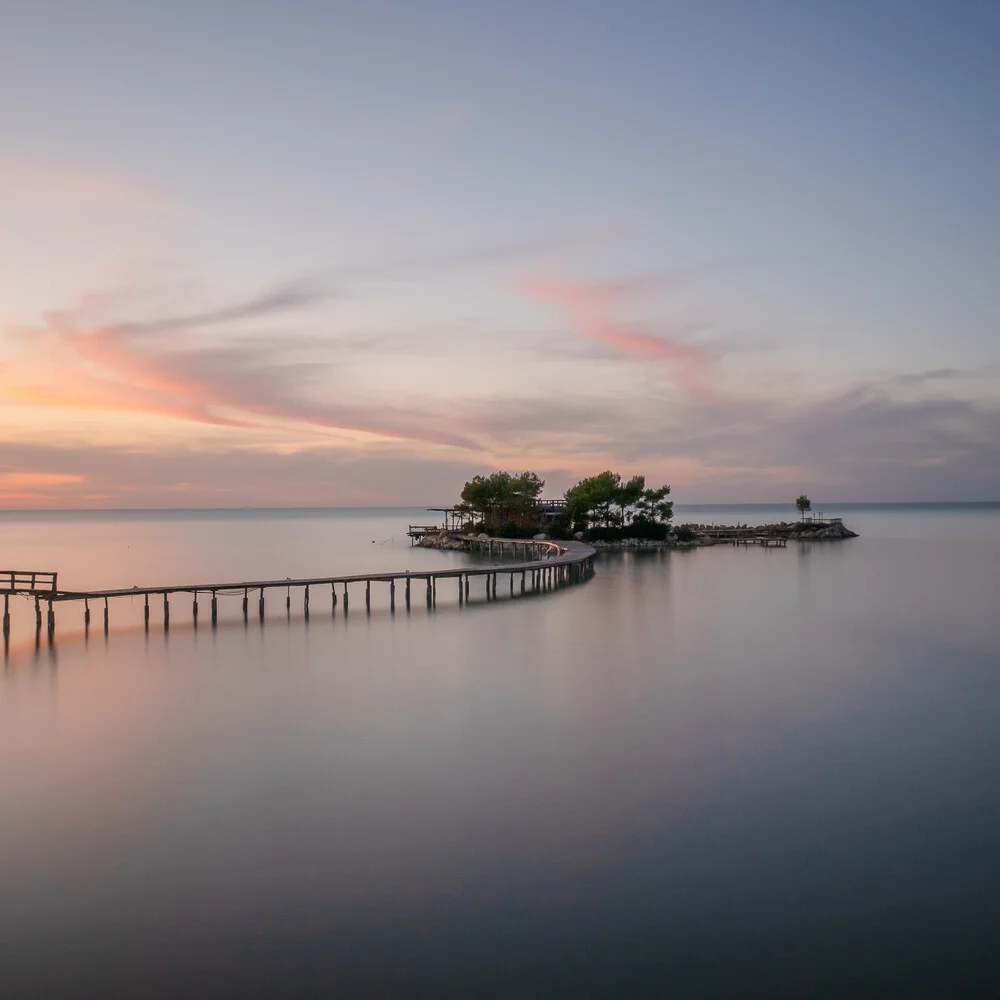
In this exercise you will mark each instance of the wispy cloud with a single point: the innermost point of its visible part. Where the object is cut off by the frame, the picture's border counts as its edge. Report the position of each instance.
(159, 366)
(99, 476)
(591, 311)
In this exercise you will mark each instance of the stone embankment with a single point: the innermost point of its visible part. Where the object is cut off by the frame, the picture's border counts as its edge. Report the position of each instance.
(795, 531)
(684, 536)
(445, 540)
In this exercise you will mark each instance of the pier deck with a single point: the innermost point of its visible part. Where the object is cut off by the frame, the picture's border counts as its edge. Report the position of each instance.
(543, 566)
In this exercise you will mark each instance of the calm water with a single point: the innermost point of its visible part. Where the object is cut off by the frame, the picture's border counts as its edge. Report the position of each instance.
(717, 773)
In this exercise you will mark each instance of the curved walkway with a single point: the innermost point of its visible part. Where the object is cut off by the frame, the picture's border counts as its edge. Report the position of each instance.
(555, 565)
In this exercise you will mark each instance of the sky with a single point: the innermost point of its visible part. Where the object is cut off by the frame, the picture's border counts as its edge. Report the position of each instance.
(319, 253)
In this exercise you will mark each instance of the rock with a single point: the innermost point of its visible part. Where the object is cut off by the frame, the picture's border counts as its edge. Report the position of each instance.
(541, 537)
(482, 534)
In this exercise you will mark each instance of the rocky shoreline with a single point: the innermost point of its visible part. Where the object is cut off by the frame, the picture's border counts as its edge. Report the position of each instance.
(683, 536)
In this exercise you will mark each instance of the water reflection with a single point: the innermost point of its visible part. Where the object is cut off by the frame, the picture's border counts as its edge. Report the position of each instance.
(651, 784)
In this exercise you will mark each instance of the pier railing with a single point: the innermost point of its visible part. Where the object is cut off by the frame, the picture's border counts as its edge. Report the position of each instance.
(13, 581)
(545, 566)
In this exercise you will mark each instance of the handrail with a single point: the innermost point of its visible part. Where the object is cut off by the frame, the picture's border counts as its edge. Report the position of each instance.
(13, 581)
(554, 556)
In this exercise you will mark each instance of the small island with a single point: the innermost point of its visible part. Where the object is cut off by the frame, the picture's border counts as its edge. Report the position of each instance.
(606, 512)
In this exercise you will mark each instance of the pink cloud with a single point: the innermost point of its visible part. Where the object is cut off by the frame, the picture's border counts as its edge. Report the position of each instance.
(589, 307)
(162, 368)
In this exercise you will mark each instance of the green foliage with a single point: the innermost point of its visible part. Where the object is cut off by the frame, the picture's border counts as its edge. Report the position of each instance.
(593, 498)
(512, 530)
(684, 533)
(803, 503)
(503, 497)
(647, 530)
(606, 501)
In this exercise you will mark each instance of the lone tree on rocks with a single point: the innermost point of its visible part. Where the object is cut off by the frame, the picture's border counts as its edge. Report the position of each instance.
(803, 503)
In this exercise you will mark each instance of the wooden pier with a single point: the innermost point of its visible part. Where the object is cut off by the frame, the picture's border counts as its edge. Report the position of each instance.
(745, 536)
(543, 566)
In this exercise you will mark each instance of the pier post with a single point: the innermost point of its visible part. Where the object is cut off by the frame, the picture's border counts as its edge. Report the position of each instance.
(434, 590)
(86, 615)
(38, 616)
(346, 598)
(215, 610)
(166, 613)
(246, 605)
(512, 584)
(194, 609)
(466, 588)
(494, 585)
(145, 613)
(407, 592)
(6, 616)
(105, 616)
(260, 606)
(333, 598)
(288, 602)
(51, 621)
(461, 588)
(368, 595)
(428, 591)
(392, 595)
(305, 603)
(522, 581)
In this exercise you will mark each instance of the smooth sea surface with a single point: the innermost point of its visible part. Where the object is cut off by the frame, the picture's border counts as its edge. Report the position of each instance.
(728, 772)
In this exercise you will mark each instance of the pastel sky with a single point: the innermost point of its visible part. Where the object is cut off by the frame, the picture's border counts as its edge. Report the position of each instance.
(334, 253)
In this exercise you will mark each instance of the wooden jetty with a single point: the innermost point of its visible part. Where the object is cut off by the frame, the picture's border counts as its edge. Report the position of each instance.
(745, 536)
(543, 566)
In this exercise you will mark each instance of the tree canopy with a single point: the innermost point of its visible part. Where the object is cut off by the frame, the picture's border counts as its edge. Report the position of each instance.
(503, 496)
(604, 499)
(803, 503)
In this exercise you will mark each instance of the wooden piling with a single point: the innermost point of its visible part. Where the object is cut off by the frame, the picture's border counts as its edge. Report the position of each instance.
(246, 605)
(86, 615)
(547, 573)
